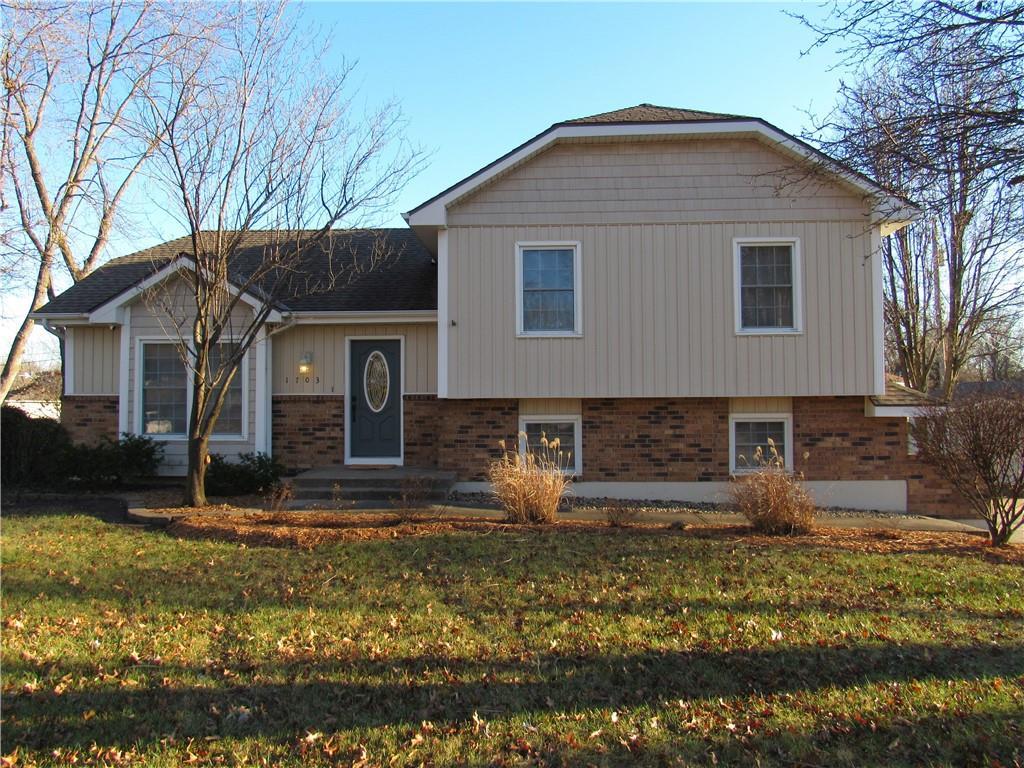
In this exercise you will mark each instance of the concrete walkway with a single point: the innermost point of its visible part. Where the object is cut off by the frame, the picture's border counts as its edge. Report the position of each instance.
(909, 523)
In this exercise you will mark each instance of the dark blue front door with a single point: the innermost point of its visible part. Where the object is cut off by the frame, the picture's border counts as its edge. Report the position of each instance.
(375, 399)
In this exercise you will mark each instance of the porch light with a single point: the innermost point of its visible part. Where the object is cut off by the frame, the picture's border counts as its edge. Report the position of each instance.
(306, 363)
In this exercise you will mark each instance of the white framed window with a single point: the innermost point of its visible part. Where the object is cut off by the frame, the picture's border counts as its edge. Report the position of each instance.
(163, 385)
(750, 431)
(164, 395)
(548, 291)
(568, 430)
(767, 282)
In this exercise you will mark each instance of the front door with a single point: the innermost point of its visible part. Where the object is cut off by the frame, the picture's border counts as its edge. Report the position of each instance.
(375, 400)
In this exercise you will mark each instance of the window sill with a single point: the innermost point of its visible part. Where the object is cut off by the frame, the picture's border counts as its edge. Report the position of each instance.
(549, 335)
(769, 332)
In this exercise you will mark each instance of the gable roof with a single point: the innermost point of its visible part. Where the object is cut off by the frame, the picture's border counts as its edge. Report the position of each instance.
(653, 120)
(652, 113)
(405, 279)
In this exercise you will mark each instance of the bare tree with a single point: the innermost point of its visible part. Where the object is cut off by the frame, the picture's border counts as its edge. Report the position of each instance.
(976, 445)
(999, 352)
(872, 32)
(263, 162)
(76, 79)
(910, 124)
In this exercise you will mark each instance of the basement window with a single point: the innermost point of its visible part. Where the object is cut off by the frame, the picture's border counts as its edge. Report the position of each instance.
(749, 433)
(566, 429)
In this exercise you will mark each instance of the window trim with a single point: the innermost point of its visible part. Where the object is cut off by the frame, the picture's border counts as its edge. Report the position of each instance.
(577, 288)
(737, 284)
(577, 420)
(140, 343)
(786, 418)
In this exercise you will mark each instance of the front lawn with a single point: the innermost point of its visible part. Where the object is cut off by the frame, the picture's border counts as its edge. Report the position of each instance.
(124, 645)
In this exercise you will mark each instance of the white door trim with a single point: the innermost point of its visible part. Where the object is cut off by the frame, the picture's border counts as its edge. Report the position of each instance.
(399, 460)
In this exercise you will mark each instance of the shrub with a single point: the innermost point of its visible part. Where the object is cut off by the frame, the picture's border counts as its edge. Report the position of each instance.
(772, 498)
(978, 446)
(109, 463)
(252, 473)
(279, 496)
(38, 452)
(530, 485)
(620, 514)
(33, 449)
(413, 497)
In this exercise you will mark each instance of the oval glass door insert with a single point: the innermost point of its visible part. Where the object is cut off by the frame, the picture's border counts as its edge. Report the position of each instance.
(376, 381)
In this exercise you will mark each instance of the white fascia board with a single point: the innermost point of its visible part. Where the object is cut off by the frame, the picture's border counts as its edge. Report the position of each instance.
(889, 411)
(888, 208)
(60, 318)
(362, 318)
(111, 311)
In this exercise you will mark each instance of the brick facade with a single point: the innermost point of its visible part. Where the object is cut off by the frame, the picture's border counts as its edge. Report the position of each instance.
(89, 418)
(308, 430)
(422, 426)
(625, 439)
(843, 443)
(471, 432)
(678, 440)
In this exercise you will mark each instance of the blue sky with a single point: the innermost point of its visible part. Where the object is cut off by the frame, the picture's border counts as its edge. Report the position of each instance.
(476, 79)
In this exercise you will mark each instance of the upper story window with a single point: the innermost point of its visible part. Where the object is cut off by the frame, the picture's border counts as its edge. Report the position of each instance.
(165, 395)
(767, 274)
(548, 289)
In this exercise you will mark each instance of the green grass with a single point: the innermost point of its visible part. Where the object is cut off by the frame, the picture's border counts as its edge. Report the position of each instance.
(123, 645)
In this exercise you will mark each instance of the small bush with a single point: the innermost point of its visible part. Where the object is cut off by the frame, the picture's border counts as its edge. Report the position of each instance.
(279, 496)
(412, 498)
(112, 463)
(34, 450)
(38, 452)
(772, 499)
(252, 473)
(530, 486)
(620, 514)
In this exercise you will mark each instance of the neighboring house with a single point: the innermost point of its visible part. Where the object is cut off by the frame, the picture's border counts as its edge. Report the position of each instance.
(662, 289)
(37, 394)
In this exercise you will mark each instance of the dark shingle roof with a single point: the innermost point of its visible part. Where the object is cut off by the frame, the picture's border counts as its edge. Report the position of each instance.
(652, 113)
(393, 271)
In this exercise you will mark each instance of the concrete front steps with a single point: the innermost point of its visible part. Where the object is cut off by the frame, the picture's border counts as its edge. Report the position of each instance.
(368, 485)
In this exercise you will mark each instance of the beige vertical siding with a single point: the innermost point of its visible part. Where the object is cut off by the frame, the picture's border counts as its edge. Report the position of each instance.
(564, 406)
(659, 317)
(149, 322)
(96, 359)
(761, 405)
(327, 345)
(652, 182)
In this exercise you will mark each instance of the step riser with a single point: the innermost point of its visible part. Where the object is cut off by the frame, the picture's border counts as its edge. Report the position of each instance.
(361, 483)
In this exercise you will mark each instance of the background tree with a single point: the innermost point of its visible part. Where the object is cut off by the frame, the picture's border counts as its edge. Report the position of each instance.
(77, 78)
(922, 126)
(872, 32)
(262, 161)
(976, 445)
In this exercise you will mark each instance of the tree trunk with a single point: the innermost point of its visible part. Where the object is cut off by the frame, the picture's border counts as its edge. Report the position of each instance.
(198, 454)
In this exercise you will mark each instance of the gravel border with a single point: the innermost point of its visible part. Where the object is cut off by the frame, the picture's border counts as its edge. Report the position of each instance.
(481, 499)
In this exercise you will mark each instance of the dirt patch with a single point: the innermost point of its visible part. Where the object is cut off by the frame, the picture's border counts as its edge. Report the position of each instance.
(310, 529)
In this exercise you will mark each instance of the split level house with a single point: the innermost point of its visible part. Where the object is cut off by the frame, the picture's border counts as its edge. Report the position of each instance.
(662, 289)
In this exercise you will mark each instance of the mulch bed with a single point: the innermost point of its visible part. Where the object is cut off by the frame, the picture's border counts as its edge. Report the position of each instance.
(310, 529)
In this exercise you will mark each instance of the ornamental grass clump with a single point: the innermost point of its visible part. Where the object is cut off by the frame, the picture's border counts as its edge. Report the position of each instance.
(771, 498)
(531, 484)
